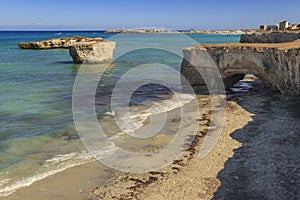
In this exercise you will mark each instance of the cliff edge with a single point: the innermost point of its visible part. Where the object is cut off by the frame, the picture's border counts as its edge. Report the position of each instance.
(273, 37)
(277, 64)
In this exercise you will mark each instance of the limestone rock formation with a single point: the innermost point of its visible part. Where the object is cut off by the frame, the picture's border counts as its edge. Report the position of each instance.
(277, 64)
(81, 49)
(92, 52)
(55, 43)
(273, 37)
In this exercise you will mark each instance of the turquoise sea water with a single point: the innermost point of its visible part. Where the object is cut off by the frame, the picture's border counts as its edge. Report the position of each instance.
(37, 134)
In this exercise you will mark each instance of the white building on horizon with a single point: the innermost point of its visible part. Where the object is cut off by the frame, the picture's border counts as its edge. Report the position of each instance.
(283, 25)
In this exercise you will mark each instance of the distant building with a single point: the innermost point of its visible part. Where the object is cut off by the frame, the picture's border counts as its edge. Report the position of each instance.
(283, 25)
(263, 28)
(273, 27)
(294, 27)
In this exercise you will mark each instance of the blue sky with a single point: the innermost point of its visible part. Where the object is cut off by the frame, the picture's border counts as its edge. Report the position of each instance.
(173, 14)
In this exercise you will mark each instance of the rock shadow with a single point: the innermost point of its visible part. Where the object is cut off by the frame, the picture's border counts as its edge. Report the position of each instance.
(267, 166)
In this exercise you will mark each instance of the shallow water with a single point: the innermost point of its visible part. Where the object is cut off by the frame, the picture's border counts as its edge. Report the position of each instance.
(37, 135)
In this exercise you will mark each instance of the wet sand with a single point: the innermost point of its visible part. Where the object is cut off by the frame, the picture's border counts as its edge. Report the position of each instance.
(256, 157)
(189, 177)
(73, 183)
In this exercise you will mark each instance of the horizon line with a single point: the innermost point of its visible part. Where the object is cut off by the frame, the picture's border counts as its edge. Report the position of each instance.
(125, 29)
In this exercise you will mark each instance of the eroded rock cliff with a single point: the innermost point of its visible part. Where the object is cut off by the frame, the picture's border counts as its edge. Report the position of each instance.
(273, 37)
(92, 52)
(277, 64)
(81, 49)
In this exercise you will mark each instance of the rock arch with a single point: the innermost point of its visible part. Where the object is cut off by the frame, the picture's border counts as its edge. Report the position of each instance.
(277, 64)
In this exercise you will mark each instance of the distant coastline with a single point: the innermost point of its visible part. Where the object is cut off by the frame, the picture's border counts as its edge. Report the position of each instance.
(191, 31)
(158, 31)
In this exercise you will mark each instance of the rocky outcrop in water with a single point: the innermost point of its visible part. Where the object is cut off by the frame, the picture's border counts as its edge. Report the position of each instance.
(273, 37)
(92, 52)
(56, 43)
(81, 49)
(277, 64)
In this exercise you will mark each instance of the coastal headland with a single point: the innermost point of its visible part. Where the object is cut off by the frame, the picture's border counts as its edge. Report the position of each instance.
(270, 37)
(276, 63)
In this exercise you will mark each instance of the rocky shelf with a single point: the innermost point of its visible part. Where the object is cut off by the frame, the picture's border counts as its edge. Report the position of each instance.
(278, 64)
(56, 43)
(81, 49)
(270, 37)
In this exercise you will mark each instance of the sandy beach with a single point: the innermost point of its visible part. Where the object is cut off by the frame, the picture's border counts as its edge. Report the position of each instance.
(149, 100)
(255, 157)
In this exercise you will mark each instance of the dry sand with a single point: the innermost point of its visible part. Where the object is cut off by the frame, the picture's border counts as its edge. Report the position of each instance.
(188, 177)
(256, 157)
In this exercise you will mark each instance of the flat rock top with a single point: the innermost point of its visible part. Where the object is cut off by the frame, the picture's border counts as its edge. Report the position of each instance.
(57, 42)
(288, 45)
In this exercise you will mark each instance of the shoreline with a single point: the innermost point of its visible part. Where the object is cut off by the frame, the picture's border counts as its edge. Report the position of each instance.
(188, 177)
(88, 180)
(72, 183)
(95, 181)
(249, 116)
(259, 134)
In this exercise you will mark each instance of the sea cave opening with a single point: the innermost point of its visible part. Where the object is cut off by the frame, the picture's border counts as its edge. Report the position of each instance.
(241, 83)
